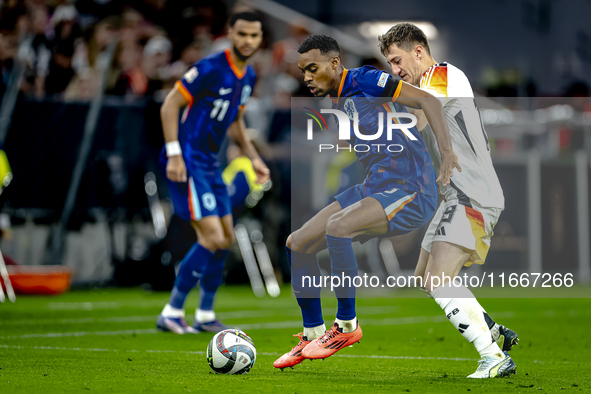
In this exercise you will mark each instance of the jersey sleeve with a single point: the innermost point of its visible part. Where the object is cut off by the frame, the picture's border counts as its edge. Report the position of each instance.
(376, 83)
(436, 82)
(195, 80)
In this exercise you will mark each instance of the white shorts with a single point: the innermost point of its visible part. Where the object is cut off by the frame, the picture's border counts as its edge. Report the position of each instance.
(470, 227)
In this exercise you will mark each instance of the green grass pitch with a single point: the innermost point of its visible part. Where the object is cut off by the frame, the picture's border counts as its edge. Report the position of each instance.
(105, 341)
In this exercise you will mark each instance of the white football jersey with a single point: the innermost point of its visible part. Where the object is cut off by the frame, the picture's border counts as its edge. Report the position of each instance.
(478, 179)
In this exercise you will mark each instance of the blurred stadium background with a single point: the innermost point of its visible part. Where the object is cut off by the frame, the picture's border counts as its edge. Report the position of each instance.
(83, 80)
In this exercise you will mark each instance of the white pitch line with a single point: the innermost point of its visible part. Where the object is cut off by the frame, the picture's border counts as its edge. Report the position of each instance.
(84, 306)
(261, 353)
(81, 334)
(203, 353)
(90, 306)
(396, 321)
(367, 311)
(256, 326)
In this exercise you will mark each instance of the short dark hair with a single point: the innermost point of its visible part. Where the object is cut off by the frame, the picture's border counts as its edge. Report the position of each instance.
(248, 16)
(405, 35)
(324, 43)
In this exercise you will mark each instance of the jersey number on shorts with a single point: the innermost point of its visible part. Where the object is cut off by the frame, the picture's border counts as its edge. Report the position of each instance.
(220, 107)
(449, 214)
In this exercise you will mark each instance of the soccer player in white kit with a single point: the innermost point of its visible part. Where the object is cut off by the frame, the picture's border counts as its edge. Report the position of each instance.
(460, 231)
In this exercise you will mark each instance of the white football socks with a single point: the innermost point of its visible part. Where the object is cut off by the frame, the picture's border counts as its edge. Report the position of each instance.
(347, 325)
(465, 313)
(169, 311)
(312, 333)
(204, 316)
(492, 350)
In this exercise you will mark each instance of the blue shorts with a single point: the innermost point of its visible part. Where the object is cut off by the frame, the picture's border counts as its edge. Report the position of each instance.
(404, 209)
(204, 194)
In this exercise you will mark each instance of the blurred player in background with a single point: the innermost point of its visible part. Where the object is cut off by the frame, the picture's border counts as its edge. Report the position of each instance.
(460, 231)
(398, 195)
(213, 92)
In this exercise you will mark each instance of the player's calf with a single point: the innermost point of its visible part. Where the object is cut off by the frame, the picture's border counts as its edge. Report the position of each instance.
(465, 313)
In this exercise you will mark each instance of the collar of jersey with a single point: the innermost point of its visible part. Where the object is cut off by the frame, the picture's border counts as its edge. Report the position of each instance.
(239, 73)
(345, 71)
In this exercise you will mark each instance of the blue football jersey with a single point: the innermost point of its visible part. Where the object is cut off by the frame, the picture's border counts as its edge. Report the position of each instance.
(215, 89)
(409, 168)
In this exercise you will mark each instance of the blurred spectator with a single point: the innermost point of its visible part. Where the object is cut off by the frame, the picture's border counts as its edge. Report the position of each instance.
(190, 55)
(65, 24)
(11, 26)
(92, 11)
(35, 53)
(91, 53)
(157, 56)
(14, 19)
(126, 76)
(285, 61)
(190, 20)
(131, 27)
(90, 59)
(60, 69)
(66, 32)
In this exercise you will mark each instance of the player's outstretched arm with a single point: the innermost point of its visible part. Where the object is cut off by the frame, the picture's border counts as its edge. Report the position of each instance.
(169, 113)
(237, 131)
(431, 106)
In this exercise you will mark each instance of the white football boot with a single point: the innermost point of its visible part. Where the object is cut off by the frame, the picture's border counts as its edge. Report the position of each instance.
(490, 367)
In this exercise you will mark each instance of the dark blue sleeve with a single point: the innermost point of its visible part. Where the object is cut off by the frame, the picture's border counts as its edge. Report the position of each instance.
(376, 83)
(196, 79)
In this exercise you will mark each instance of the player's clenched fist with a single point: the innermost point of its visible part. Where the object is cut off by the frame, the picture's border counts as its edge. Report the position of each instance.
(176, 170)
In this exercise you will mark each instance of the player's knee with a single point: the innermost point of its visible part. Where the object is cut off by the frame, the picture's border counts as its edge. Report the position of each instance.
(295, 242)
(336, 226)
(298, 242)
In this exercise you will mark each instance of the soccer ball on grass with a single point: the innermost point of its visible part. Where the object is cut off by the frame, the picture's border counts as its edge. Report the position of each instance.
(231, 352)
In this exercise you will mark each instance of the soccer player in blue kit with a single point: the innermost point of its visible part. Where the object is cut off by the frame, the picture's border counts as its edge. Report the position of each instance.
(398, 195)
(214, 92)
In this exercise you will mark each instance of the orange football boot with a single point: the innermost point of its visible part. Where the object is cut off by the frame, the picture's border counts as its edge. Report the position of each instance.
(293, 357)
(331, 342)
